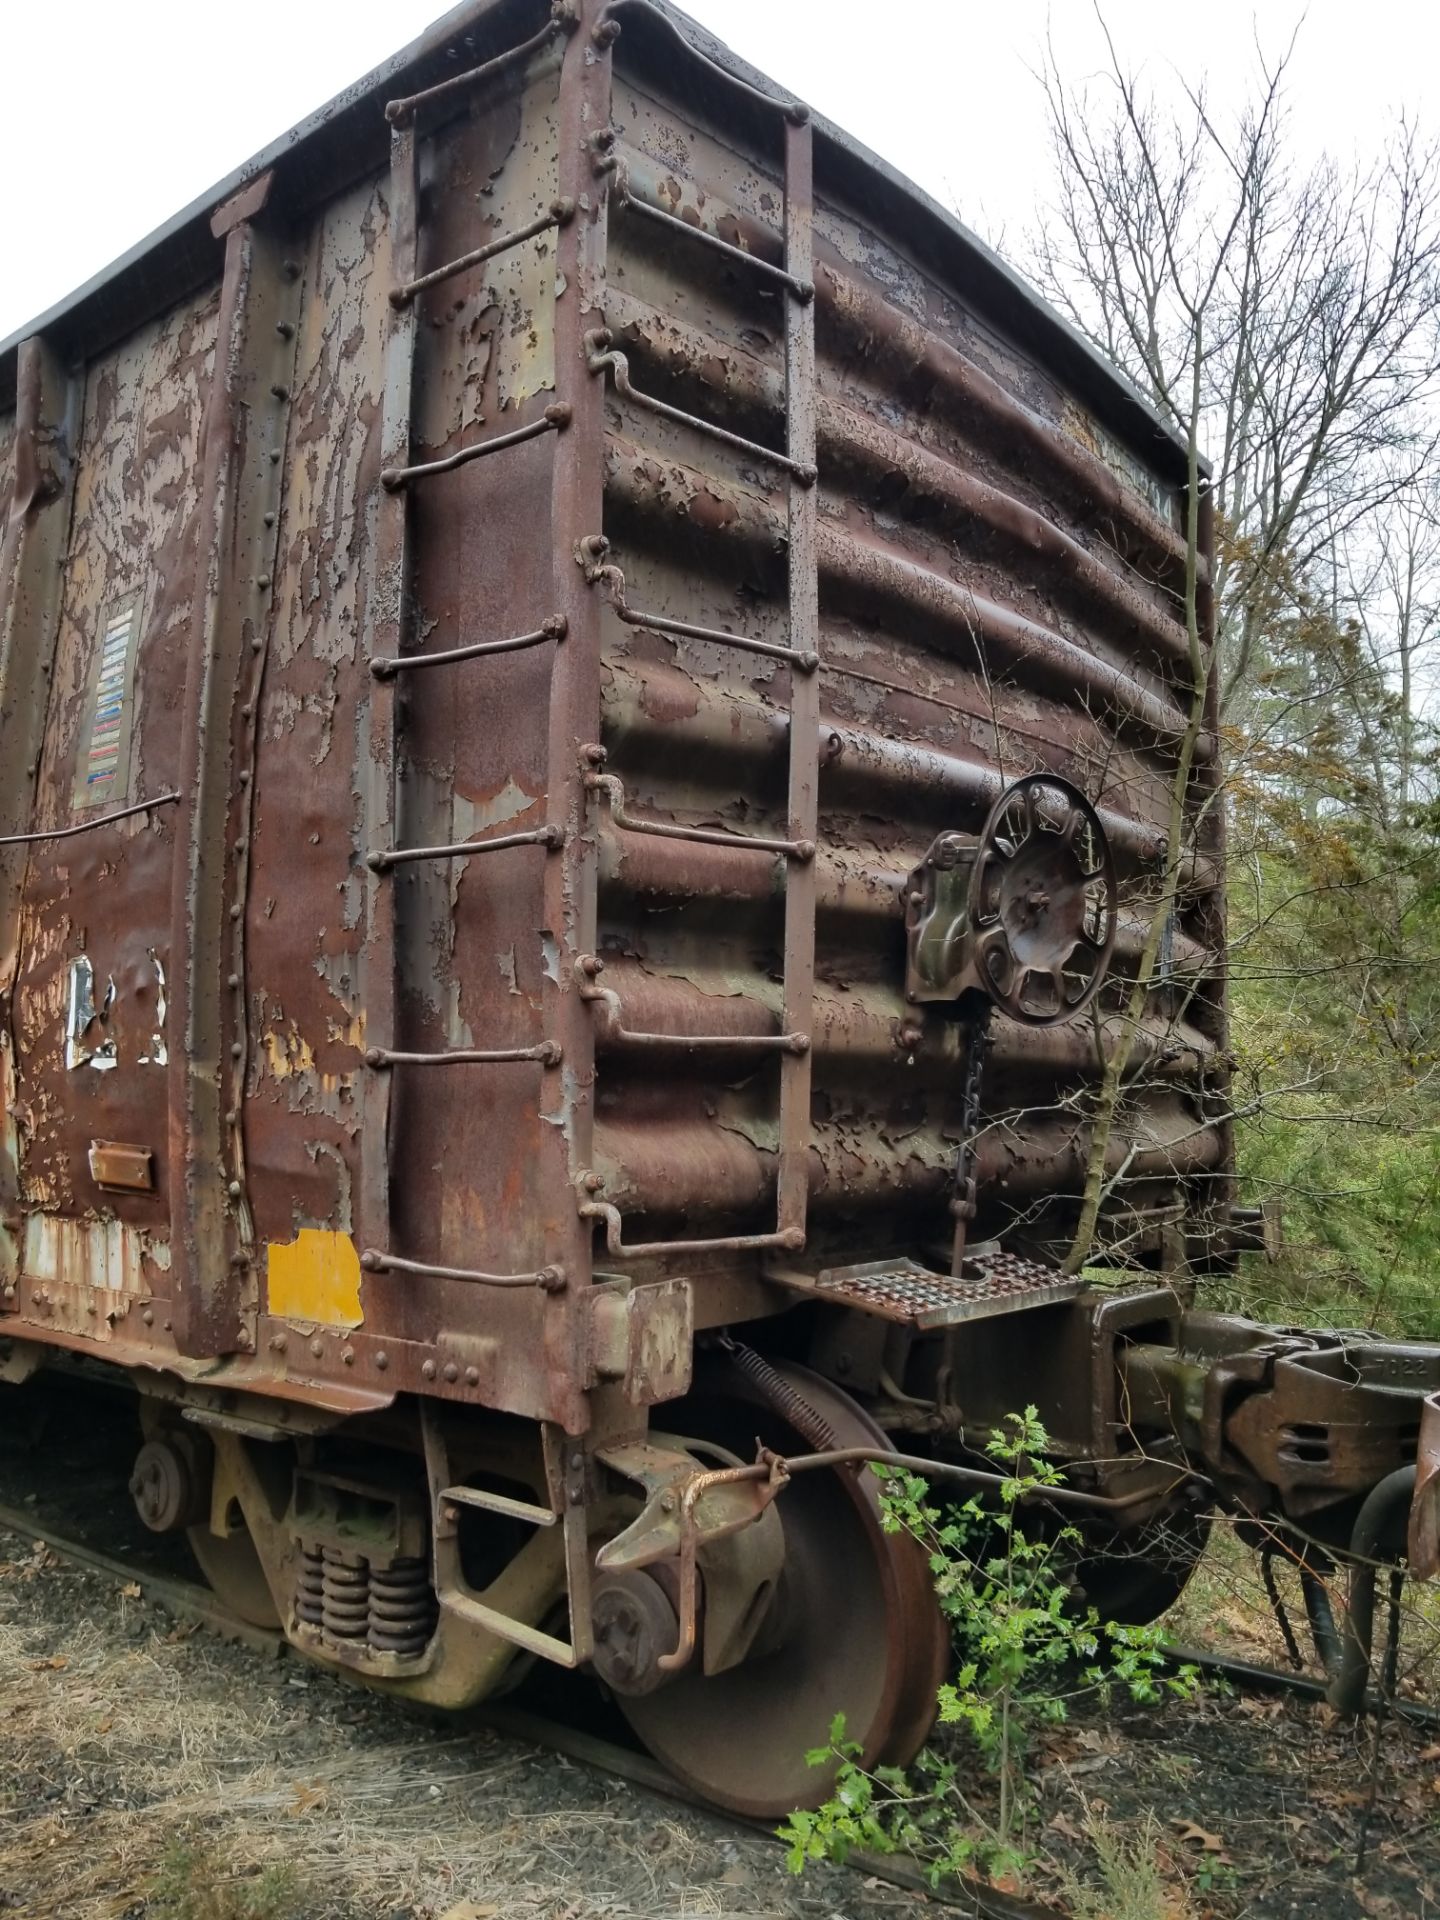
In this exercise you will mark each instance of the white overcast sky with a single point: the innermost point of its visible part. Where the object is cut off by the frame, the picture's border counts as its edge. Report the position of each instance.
(120, 112)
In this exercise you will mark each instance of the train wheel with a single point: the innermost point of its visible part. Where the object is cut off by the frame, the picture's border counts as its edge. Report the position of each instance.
(232, 1569)
(859, 1633)
(1135, 1580)
(175, 1492)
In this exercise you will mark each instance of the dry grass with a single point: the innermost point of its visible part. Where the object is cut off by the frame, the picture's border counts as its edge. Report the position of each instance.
(140, 1764)
(1136, 1875)
(117, 1754)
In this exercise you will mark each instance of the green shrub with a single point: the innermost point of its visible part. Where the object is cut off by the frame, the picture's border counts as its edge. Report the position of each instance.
(1024, 1651)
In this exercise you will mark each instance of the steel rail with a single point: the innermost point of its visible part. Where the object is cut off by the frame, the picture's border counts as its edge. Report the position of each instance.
(184, 1599)
(188, 1600)
(639, 1770)
(1265, 1679)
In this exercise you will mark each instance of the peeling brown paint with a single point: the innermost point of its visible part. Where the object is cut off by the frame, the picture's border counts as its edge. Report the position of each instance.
(996, 581)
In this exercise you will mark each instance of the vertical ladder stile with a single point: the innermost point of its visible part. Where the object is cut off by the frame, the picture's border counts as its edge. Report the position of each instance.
(576, 509)
(386, 639)
(804, 636)
(801, 651)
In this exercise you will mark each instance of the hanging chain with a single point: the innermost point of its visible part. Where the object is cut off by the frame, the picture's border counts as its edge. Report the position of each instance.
(962, 1197)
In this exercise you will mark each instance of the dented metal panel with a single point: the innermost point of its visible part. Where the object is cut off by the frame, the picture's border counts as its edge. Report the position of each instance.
(306, 887)
(94, 931)
(250, 987)
(991, 601)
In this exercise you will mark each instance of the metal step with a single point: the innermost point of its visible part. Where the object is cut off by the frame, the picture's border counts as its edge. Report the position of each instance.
(911, 1295)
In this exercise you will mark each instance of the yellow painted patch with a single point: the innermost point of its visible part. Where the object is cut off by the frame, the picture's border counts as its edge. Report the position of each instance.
(316, 1278)
(287, 1054)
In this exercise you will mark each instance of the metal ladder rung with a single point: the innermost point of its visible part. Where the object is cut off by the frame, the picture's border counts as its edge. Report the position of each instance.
(553, 420)
(589, 965)
(452, 1589)
(614, 791)
(559, 213)
(499, 1503)
(88, 826)
(795, 111)
(400, 113)
(792, 1238)
(802, 290)
(600, 355)
(382, 860)
(613, 580)
(548, 1279)
(382, 1058)
(385, 668)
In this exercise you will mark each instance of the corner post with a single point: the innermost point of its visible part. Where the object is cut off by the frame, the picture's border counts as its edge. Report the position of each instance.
(576, 511)
(33, 544)
(215, 1287)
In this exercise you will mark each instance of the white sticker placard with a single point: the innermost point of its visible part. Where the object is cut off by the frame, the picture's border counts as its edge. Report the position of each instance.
(102, 774)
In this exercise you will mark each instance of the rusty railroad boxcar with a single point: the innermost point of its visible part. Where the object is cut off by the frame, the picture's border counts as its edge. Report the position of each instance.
(589, 690)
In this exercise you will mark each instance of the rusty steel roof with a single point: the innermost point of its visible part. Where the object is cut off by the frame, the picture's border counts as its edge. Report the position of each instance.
(348, 137)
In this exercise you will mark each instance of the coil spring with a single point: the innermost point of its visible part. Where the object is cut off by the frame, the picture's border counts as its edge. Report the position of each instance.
(391, 1607)
(402, 1607)
(778, 1391)
(310, 1587)
(345, 1611)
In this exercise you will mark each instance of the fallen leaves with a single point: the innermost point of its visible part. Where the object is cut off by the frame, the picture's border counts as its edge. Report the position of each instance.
(1259, 1706)
(1194, 1835)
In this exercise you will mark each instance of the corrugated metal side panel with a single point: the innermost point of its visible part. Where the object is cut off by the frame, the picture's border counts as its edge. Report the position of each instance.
(106, 894)
(985, 597)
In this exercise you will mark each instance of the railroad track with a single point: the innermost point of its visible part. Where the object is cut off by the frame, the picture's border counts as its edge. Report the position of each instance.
(188, 1600)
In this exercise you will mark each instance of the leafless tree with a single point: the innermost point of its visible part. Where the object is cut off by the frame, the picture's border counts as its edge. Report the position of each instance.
(1287, 321)
(1318, 292)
